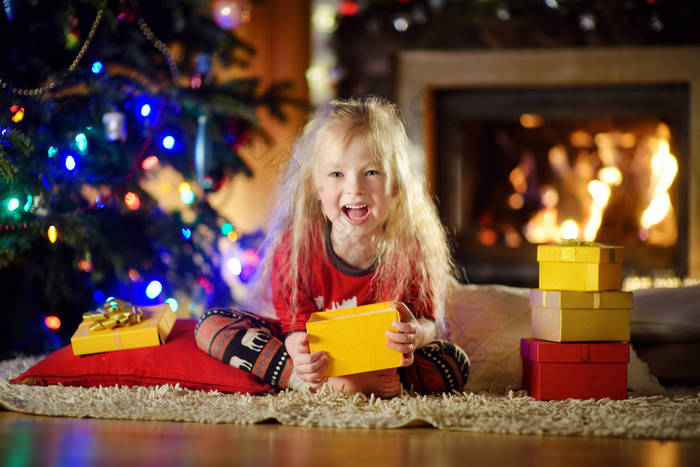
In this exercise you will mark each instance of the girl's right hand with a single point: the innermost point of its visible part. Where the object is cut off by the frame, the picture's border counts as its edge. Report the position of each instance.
(309, 366)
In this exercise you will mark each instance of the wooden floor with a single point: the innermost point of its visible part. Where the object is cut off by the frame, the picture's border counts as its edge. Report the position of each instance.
(33, 440)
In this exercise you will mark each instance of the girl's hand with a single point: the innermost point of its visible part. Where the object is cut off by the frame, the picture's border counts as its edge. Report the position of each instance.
(408, 334)
(309, 366)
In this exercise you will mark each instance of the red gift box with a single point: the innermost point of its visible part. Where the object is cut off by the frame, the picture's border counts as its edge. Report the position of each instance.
(557, 371)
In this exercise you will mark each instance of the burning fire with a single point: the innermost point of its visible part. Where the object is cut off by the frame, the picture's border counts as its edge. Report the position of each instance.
(599, 169)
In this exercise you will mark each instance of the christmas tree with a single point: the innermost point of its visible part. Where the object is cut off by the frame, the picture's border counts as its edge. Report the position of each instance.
(113, 130)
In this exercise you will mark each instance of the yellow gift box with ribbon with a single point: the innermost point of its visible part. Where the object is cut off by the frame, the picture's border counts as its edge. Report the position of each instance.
(580, 266)
(118, 325)
(569, 316)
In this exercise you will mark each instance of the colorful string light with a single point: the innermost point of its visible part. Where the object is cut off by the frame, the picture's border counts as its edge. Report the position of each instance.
(150, 162)
(52, 233)
(168, 142)
(12, 204)
(52, 322)
(153, 289)
(132, 200)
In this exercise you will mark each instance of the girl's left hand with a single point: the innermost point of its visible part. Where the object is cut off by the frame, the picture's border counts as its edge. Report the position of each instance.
(407, 336)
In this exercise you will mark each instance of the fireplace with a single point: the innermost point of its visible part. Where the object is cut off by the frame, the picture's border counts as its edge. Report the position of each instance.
(526, 147)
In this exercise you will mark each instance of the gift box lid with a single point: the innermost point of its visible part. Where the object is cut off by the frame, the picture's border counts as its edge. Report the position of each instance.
(577, 252)
(578, 299)
(578, 352)
(354, 338)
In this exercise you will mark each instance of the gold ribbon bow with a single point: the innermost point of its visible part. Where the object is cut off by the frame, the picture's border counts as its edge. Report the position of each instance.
(569, 249)
(574, 242)
(112, 314)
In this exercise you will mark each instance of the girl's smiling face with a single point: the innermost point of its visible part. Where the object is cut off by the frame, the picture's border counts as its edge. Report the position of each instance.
(352, 187)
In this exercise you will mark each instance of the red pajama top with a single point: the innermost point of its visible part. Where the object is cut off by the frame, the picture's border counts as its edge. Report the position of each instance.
(333, 284)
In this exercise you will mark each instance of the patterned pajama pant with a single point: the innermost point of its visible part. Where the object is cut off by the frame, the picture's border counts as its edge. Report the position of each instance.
(254, 344)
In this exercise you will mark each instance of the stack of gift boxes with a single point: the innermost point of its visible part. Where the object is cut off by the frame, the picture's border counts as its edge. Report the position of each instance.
(580, 324)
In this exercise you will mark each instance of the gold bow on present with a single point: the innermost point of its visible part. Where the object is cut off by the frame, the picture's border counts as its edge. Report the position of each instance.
(112, 314)
(575, 242)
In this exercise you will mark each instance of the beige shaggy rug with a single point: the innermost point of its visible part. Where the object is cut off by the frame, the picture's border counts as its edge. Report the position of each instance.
(670, 416)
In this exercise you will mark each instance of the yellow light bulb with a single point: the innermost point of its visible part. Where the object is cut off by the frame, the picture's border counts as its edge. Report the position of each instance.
(53, 234)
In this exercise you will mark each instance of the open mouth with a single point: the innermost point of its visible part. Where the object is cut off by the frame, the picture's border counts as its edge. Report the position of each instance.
(356, 212)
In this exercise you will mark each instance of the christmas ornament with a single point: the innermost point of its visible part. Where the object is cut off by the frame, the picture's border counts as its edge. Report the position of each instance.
(85, 263)
(202, 151)
(17, 113)
(202, 63)
(128, 14)
(230, 14)
(72, 40)
(348, 8)
(202, 68)
(115, 126)
(10, 6)
(587, 22)
(73, 36)
(238, 133)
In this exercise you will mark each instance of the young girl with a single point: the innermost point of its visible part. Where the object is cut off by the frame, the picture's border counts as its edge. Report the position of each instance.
(353, 225)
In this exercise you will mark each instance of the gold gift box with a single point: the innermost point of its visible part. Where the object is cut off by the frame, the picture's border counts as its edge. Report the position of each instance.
(152, 330)
(572, 316)
(580, 324)
(355, 338)
(577, 299)
(581, 267)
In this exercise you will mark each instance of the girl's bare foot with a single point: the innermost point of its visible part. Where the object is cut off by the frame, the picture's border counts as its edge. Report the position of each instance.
(382, 383)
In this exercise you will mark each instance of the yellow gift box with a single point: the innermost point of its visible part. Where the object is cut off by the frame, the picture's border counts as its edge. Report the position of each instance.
(576, 299)
(158, 321)
(354, 338)
(576, 266)
(580, 324)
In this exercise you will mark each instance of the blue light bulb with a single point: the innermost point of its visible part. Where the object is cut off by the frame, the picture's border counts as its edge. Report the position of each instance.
(97, 67)
(154, 289)
(173, 304)
(70, 163)
(168, 142)
(145, 110)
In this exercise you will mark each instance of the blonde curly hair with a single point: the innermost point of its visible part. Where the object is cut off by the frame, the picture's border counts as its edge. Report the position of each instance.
(411, 249)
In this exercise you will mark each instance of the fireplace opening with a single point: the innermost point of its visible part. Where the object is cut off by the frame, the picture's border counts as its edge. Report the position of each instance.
(515, 167)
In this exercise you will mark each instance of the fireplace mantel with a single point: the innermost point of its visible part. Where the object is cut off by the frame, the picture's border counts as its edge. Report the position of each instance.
(420, 73)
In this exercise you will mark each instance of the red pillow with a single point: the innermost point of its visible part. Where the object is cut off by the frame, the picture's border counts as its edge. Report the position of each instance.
(179, 360)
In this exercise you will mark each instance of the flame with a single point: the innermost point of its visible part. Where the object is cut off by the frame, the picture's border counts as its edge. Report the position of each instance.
(543, 226)
(518, 178)
(664, 168)
(600, 192)
(569, 229)
(610, 176)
